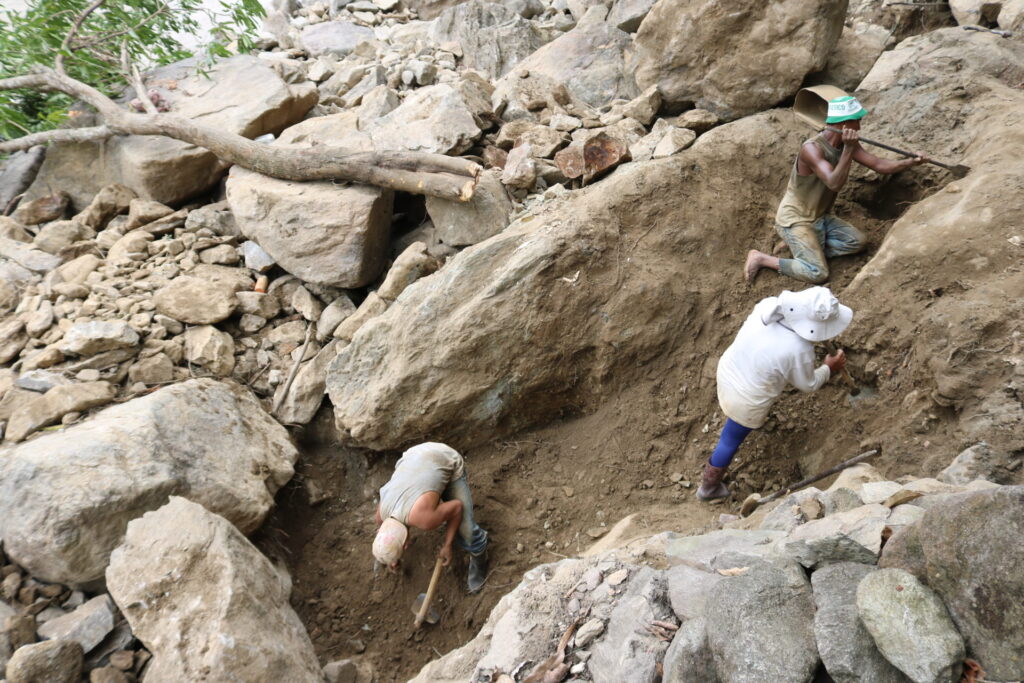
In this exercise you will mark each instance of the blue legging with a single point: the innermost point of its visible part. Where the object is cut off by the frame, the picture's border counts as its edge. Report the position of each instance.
(729, 442)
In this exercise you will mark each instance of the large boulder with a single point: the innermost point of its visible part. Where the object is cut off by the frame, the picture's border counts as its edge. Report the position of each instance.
(335, 38)
(493, 37)
(845, 646)
(461, 224)
(18, 172)
(957, 549)
(854, 55)
(626, 651)
(318, 231)
(519, 326)
(241, 95)
(762, 626)
(56, 403)
(731, 57)
(206, 602)
(589, 60)
(66, 497)
(910, 626)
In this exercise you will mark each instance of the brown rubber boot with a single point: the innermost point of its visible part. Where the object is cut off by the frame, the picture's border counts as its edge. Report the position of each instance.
(711, 486)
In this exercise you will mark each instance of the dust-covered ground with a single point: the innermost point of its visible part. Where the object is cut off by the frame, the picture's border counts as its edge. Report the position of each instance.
(552, 492)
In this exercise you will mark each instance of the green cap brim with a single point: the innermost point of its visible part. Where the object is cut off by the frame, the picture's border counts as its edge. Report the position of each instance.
(851, 117)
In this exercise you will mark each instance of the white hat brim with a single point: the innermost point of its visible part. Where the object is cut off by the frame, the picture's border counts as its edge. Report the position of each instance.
(823, 330)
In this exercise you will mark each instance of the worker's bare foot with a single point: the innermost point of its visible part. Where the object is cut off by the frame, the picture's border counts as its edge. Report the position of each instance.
(755, 262)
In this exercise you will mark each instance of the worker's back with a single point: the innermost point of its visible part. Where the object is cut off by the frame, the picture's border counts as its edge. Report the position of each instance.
(425, 468)
(760, 362)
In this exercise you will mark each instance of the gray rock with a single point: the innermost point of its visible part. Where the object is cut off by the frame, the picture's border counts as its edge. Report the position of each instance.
(589, 60)
(265, 305)
(241, 94)
(465, 223)
(674, 141)
(442, 119)
(626, 651)
(876, 492)
(839, 500)
(333, 315)
(689, 658)
(626, 15)
(155, 369)
(88, 625)
(786, 515)
(713, 55)
(306, 305)
(18, 172)
(411, 265)
(979, 461)
(372, 306)
(307, 390)
(910, 626)
(586, 633)
(493, 37)
(28, 257)
(41, 380)
(957, 548)
(703, 551)
(196, 301)
(689, 588)
(852, 536)
(55, 661)
(214, 217)
(206, 602)
(56, 403)
(66, 497)
(845, 646)
(223, 254)
(337, 38)
(214, 350)
(761, 627)
(858, 49)
(90, 338)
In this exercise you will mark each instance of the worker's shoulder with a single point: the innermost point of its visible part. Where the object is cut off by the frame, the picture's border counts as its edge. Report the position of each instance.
(431, 448)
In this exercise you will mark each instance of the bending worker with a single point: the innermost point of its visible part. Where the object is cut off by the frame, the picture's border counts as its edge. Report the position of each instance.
(804, 219)
(773, 349)
(427, 490)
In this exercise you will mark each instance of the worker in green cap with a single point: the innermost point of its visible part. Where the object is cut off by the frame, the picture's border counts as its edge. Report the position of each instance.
(804, 219)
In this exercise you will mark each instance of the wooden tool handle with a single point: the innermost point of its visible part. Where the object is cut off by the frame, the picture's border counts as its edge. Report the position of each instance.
(818, 477)
(425, 607)
(904, 152)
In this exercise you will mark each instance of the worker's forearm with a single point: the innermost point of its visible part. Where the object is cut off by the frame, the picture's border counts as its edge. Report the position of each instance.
(842, 170)
(453, 528)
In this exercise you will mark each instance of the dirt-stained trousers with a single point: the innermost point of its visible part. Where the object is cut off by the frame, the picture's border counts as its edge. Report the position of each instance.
(813, 244)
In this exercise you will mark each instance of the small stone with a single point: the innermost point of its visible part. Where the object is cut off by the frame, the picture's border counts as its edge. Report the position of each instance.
(256, 258)
(615, 578)
(568, 491)
(89, 338)
(675, 477)
(223, 254)
(250, 323)
(597, 531)
(257, 303)
(357, 646)
(88, 625)
(588, 632)
(343, 671)
(107, 674)
(306, 304)
(122, 659)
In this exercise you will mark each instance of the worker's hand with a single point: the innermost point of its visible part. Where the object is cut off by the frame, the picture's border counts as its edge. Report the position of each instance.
(851, 137)
(919, 159)
(445, 554)
(836, 362)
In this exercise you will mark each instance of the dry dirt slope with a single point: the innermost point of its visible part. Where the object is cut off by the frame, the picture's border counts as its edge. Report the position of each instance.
(937, 334)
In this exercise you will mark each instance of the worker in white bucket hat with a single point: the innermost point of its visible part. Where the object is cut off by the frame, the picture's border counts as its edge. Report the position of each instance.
(804, 218)
(773, 349)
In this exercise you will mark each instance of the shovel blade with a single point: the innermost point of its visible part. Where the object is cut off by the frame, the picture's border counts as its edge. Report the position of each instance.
(959, 171)
(432, 615)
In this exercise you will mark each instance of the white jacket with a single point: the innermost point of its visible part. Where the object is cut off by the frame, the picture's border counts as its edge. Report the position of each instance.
(760, 362)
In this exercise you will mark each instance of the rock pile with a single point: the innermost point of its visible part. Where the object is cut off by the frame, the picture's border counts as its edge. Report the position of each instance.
(882, 601)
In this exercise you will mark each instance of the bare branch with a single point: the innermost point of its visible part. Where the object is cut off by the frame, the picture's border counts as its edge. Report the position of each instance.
(60, 135)
(110, 35)
(135, 78)
(37, 81)
(415, 172)
(66, 45)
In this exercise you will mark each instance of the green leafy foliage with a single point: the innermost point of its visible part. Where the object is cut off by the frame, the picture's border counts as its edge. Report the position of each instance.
(153, 33)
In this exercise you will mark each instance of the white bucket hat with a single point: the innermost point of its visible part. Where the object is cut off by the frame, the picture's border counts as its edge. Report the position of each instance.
(814, 313)
(389, 543)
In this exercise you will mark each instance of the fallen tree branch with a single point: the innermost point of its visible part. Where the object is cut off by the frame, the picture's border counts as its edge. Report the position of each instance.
(135, 79)
(59, 135)
(295, 371)
(436, 175)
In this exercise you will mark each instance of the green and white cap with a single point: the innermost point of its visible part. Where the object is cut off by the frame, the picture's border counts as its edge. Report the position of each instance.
(845, 109)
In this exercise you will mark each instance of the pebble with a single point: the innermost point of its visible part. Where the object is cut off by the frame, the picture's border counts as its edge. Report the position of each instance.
(615, 578)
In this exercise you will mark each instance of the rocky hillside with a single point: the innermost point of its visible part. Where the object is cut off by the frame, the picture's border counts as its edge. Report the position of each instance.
(206, 372)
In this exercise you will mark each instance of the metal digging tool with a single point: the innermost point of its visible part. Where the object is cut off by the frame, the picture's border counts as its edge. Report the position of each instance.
(421, 606)
(854, 389)
(754, 500)
(958, 171)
